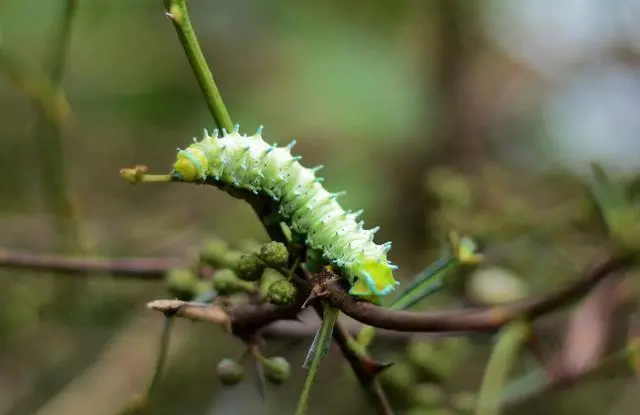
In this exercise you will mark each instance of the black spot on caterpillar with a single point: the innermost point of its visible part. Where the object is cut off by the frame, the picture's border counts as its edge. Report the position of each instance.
(248, 162)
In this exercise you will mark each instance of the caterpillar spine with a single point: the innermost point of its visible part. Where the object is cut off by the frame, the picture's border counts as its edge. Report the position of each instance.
(249, 163)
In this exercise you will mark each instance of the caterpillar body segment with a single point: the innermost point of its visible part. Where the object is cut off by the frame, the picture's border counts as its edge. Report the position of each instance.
(249, 163)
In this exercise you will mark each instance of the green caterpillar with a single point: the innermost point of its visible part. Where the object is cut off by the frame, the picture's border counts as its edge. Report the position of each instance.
(248, 162)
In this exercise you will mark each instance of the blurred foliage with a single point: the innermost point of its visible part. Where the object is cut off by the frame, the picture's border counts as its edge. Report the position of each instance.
(361, 86)
(421, 380)
(521, 216)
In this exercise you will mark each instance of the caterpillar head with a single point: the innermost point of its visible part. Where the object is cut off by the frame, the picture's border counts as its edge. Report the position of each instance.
(191, 164)
(372, 279)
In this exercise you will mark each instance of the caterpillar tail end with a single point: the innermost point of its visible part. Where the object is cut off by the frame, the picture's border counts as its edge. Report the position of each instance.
(373, 280)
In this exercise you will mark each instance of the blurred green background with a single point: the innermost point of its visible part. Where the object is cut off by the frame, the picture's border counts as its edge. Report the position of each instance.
(434, 114)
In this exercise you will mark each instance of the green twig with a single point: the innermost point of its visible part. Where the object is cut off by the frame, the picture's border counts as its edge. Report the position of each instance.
(50, 148)
(329, 317)
(140, 402)
(324, 336)
(177, 12)
(49, 98)
(510, 339)
(163, 351)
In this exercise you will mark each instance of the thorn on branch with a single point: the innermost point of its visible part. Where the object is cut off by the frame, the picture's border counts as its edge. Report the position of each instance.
(314, 295)
(373, 368)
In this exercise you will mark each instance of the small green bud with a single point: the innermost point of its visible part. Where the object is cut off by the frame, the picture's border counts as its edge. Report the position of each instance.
(400, 376)
(213, 251)
(182, 283)
(249, 245)
(456, 346)
(464, 402)
(230, 372)
(226, 282)
(269, 276)
(230, 259)
(250, 267)
(431, 360)
(202, 287)
(366, 335)
(443, 367)
(421, 353)
(277, 369)
(428, 395)
(281, 292)
(275, 254)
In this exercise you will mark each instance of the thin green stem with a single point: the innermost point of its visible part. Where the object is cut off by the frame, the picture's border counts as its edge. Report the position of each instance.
(138, 175)
(329, 317)
(163, 351)
(177, 12)
(505, 352)
(324, 336)
(140, 402)
(50, 148)
(49, 98)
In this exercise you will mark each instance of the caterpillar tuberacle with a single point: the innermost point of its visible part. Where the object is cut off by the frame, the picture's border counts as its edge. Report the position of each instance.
(249, 163)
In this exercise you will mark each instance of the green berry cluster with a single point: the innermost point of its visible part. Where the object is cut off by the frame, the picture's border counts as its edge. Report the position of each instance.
(230, 372)
(263, 267)
(277, 370)
(184, 283)
(252, 268)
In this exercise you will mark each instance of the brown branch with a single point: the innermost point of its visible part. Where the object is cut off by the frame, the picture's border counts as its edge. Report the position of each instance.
(250, 319)
(254, 317)
(474, 319)
(154, 268)
(142, 268)
(303, 330)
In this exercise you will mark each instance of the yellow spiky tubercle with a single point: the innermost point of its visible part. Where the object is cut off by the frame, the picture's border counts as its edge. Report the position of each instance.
(248, 162)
